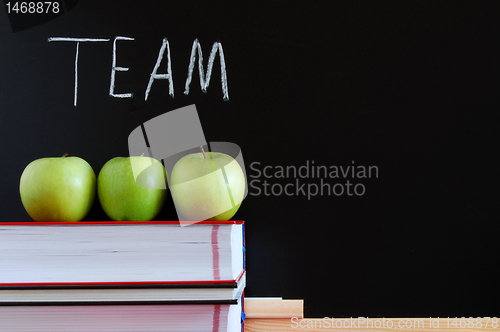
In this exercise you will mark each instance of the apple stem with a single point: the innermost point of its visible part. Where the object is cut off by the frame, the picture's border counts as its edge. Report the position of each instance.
(64, 155)
(142, 155)
(203, 151)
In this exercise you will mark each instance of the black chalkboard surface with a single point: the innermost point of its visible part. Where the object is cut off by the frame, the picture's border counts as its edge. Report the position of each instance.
(367, 129)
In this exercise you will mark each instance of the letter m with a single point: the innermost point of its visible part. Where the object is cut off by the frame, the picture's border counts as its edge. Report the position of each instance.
(205, 78)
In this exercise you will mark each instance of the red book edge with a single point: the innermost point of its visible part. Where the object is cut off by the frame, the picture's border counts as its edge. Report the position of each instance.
(126, 283)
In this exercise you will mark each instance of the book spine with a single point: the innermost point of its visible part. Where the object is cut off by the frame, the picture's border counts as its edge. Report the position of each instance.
(244, 249)
(243, 313)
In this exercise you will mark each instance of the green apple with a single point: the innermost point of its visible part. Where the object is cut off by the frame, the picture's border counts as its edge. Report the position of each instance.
(58, 189)
(132, 188)
(207, 186)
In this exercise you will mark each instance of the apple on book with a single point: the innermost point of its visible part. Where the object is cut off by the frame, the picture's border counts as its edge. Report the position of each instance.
(207, 186)
(132, 188)
(58, 189)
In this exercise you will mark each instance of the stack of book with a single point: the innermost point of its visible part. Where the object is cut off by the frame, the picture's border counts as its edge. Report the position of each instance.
(121, 276)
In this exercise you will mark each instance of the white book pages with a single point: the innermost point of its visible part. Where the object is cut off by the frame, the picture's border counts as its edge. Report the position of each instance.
(120, 253)
(122, 318)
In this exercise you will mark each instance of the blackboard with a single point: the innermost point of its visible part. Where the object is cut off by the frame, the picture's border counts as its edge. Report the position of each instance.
(408, 88)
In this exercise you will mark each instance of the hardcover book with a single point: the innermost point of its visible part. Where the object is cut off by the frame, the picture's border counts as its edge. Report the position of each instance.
(121, 318)
(117, 262)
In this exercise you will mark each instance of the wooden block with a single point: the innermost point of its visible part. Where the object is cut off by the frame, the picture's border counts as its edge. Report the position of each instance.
(372, 324)
(273, 308)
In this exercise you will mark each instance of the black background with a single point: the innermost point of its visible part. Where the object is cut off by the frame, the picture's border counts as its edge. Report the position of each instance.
(409, 86)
